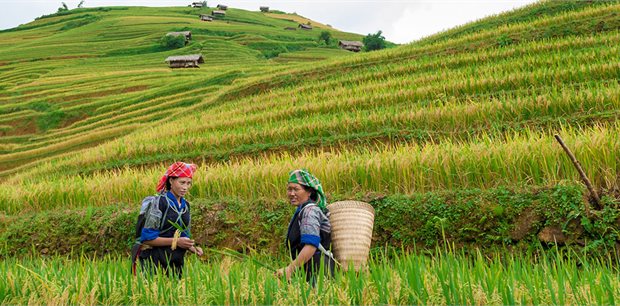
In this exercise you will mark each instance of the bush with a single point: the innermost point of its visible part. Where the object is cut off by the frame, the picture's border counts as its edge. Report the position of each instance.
(374, 41)
(51, 119)
(172, 42)
(63, 8)
(467, 218)
(504, 40)
(325, 36)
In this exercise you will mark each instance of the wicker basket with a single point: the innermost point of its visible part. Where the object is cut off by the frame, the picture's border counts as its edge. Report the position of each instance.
(352, 223)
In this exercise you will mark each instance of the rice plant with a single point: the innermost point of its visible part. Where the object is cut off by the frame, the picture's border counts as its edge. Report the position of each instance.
(390, 278)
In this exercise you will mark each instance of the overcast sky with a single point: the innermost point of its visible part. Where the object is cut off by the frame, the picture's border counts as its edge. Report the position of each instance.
(401, 21)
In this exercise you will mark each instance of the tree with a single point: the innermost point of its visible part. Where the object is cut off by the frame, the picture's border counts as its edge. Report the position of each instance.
(325, 36)
(81, 4)
(374, 41)
(63, 8)
(173, 41)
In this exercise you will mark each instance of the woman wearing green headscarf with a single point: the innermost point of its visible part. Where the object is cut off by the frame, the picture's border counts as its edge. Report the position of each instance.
(309, 232)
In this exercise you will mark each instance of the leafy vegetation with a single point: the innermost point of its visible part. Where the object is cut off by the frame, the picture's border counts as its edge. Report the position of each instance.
(404, 278)
(466, 219)
(325, 37)
(374, 42)
(172, 41)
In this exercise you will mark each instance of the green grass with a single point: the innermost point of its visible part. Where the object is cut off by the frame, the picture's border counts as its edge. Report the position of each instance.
(88, 107)
(445, 278)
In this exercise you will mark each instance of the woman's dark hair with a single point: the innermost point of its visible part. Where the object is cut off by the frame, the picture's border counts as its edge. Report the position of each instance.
(168, 182)
(314, 196)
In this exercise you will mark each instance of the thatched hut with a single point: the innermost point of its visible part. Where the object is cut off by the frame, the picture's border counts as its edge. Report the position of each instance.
(198, 4)
(304, 26)
(204, 17)
(264, 9)
(355, 46)
(185, 61)
(187, 34)
(222, 7)
(218, 13)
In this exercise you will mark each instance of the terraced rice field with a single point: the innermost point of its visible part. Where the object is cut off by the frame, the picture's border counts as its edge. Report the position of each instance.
(90, 115)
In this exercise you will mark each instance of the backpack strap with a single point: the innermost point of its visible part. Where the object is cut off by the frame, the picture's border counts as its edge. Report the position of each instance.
(163, 216)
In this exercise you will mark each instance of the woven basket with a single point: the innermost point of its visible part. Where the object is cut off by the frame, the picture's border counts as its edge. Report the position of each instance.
(352, 223)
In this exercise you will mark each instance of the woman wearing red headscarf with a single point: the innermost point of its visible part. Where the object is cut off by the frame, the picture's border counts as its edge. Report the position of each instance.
(164, 245)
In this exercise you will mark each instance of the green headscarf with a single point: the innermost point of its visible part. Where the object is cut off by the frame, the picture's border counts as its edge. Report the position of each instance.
(303, 177)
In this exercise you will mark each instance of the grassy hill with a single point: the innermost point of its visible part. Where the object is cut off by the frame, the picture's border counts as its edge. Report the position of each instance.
(92, 116)
(77, 79)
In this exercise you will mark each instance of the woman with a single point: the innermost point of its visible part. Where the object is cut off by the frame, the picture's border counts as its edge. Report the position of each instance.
(164, 246)
(309, 232)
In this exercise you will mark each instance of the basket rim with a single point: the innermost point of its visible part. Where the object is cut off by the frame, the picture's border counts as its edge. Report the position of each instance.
(352, 203)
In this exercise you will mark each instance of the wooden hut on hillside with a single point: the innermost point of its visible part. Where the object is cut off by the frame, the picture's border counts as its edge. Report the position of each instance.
(218, 13)
(185, 61)
(222, 7)
(187, 34)
(264, 9)
(204, 17)
(355, 46)
(198, 4)
(304, 26)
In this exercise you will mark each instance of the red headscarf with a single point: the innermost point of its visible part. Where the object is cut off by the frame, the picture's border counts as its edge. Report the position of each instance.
(178, 169)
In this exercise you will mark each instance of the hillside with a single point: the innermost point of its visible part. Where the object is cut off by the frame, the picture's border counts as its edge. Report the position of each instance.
(81, 78)
(461, 125)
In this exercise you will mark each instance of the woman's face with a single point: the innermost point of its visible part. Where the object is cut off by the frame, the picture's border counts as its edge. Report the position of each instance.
(297, 194)
(180, 185)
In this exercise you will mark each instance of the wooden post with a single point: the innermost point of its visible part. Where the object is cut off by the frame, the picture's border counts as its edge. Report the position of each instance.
(585, 179)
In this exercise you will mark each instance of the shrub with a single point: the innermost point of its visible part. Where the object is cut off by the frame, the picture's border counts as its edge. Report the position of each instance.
(504, 40)
(325, 36)
(51, 119)
(374, 41)
(173, 42)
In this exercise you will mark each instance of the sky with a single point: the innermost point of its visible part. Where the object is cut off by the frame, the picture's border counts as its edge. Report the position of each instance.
(401, 21)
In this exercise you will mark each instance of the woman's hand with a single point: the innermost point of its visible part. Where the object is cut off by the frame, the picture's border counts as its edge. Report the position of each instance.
(196, 250)
(288, 271)
(185, 243)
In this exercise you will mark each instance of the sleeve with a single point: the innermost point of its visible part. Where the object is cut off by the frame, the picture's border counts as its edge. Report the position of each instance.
(310, 226)
(152, 221)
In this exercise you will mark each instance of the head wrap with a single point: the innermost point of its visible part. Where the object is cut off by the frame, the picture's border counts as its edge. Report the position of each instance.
(178, 169)
(303, 177)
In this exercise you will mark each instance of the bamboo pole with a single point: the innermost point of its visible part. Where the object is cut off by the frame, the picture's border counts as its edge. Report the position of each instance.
(585, 179)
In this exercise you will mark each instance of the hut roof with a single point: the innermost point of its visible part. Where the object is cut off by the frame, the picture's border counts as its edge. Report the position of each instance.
(184, 33)
(305, 26)
(351, 43)
(264, 8)
(186, 58)
(217, 12)
(222, 6)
